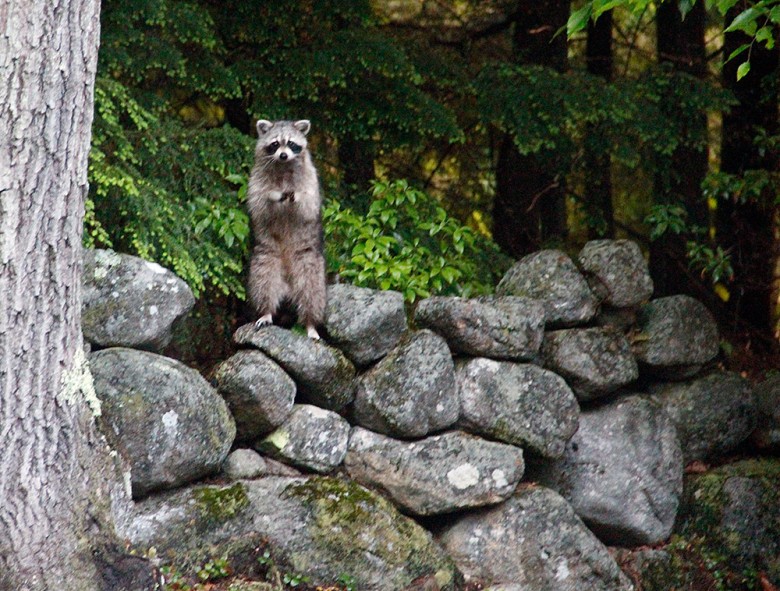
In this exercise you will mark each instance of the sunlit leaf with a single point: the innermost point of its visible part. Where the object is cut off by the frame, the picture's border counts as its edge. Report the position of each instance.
(743, 70)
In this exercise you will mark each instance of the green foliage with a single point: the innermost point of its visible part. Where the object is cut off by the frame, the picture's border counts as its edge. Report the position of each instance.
(167, 192)
(633, 119)
(666, 217)
(151, 45)
(711, 261)
(329, 60)
(640, 122)
(759, 21)
(348, 582)
(213, 570)
(754, 186)
(219, 568)
(407, 242)
(164, 168)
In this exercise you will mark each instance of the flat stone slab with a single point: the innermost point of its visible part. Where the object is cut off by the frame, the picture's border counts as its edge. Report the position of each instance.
(552, 277)
(320, 527)
(438, 474)
(593, 361)
(365, 324)
(616, 272)
(532, 541)
(498, 327)
(323, 375)
(520, 404)
(311, 438)
(130, 302)
(677, 335)
(412, 391)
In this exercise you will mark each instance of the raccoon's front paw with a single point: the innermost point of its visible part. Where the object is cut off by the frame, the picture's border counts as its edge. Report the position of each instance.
(264, 321)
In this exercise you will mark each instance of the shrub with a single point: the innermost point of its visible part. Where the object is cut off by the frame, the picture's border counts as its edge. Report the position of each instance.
(407, 242)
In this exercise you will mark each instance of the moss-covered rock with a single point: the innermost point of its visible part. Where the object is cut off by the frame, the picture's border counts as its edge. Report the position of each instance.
(737, 507)
(728, 533)
(323, 528)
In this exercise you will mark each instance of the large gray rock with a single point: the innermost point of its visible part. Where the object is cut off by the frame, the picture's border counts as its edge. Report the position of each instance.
(521, 404)
(551, 276)
(412, 391)
(323, 375)
(677, 336)
(162, 416)
(767, 433)
(320, 527)
(531, 542)
(438, 474)
(616, 272)
(312, 438)
(258, 392)
(130, 302)
(593, 361)
(365, 324)
(622, 472)
(497, 327)
(713, 414)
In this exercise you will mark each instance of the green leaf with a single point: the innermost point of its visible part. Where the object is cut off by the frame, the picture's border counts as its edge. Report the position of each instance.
(745, 21)
(725, 5)
(765, 35)
(578, 20)
(685, 7)
(737, 51)
(602, 6)
(743, 70)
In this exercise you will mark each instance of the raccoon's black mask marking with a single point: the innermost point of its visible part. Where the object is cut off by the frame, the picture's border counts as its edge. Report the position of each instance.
(294, 148)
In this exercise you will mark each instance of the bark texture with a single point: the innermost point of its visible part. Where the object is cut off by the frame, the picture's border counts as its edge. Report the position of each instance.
(57, 480)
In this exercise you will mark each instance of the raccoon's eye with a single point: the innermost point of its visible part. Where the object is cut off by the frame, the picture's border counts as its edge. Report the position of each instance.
(272, 147)
(294, 148)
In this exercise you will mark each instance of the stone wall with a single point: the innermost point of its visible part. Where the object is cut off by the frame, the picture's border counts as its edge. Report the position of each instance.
(524, 430)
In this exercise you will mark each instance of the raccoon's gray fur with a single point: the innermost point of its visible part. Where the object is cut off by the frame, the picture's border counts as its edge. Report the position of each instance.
(284, 202)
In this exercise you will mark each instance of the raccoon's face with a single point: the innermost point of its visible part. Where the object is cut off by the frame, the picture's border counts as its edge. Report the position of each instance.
(282, 141)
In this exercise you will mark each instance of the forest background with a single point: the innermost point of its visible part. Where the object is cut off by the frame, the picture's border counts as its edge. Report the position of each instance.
(451, 138)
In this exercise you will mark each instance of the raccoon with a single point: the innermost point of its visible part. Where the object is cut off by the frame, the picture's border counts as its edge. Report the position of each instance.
(283, 199)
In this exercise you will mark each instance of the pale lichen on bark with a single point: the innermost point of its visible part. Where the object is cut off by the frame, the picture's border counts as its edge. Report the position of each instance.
(77, 385)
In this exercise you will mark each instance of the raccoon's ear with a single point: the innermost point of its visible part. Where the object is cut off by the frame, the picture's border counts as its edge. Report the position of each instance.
(263, 126)
(304, 125)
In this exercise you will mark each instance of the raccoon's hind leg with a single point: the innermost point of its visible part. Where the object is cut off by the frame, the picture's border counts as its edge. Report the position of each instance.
(266, 286)
(308, 289)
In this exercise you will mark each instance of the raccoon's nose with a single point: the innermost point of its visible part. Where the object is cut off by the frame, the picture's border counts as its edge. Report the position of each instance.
(283, 156)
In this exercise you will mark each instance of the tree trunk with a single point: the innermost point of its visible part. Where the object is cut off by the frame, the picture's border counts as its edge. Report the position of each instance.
(598, 173)
(530, 202)
(356, 159)
(678, 179)
(746, 229)
(57, 481)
